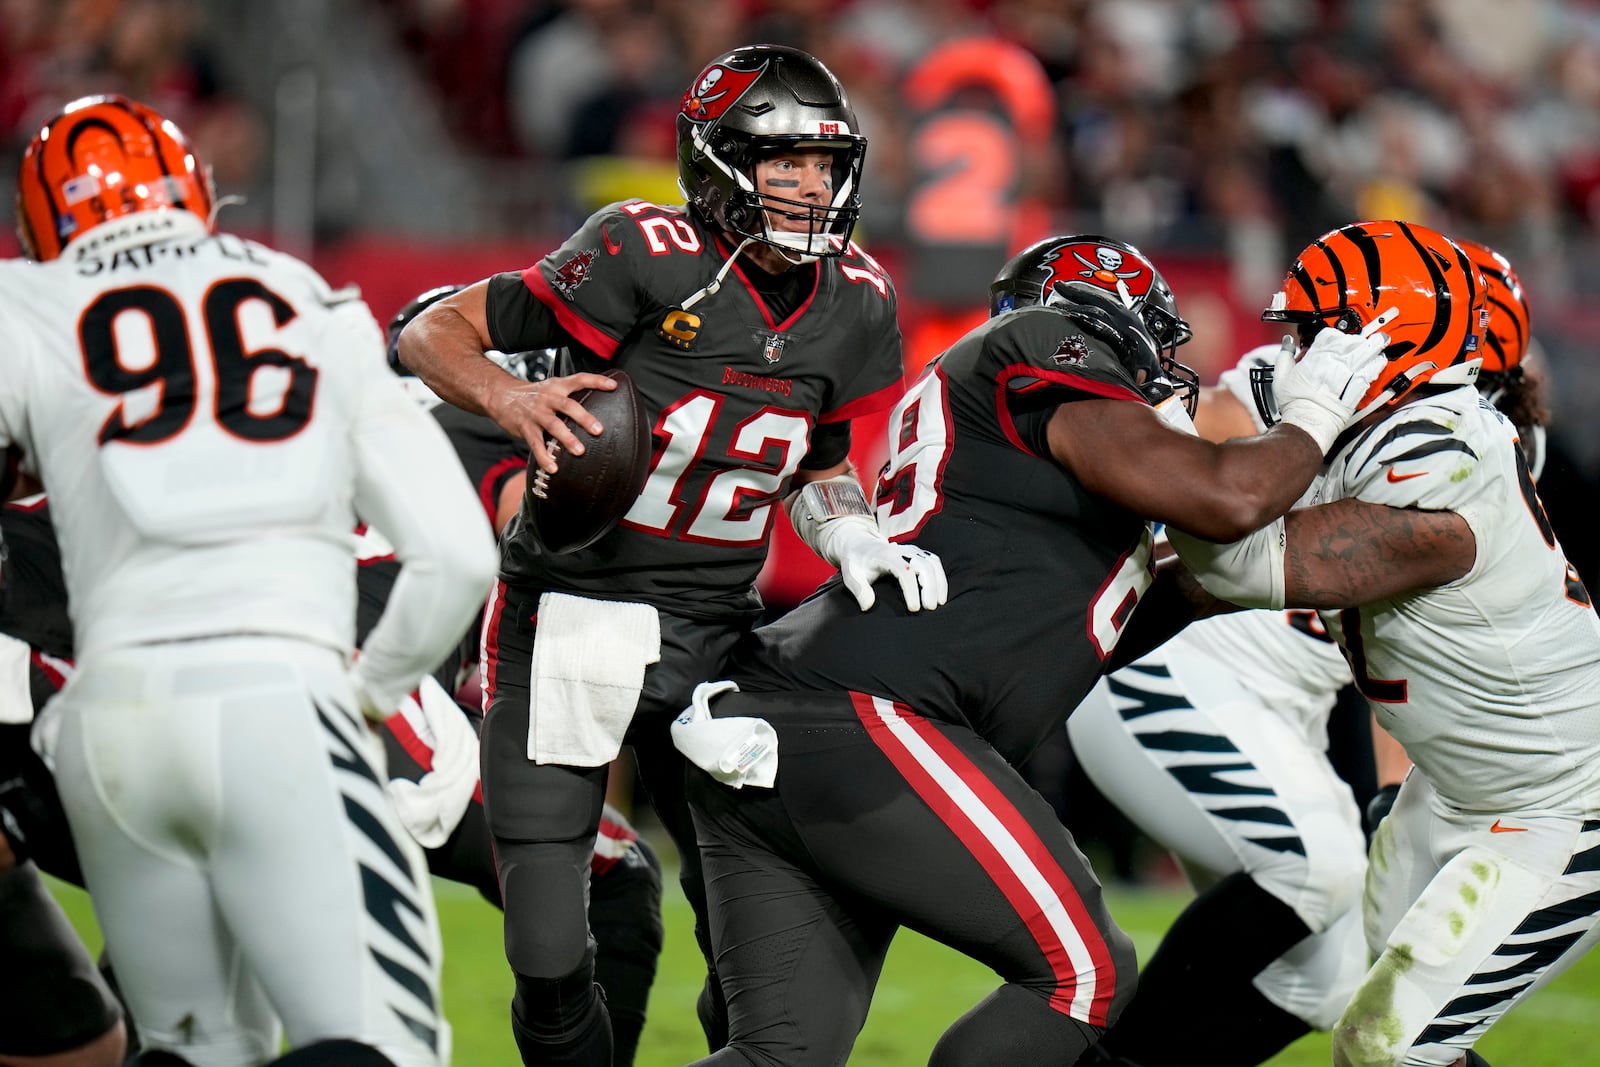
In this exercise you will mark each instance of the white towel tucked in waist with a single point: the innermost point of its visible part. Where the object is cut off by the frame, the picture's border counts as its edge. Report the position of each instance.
(589, 658)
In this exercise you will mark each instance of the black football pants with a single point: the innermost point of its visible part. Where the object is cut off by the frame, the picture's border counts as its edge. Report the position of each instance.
(544, 818)
(880, 819)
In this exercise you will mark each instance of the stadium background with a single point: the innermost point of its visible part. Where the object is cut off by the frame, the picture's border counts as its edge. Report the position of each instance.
(402, 144)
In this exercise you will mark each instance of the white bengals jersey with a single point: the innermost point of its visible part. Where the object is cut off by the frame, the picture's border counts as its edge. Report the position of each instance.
(209, 418)
(1492, 681)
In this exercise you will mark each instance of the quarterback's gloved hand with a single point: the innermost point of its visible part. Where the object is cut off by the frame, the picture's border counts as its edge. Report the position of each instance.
(1320, 392)
(865, 555)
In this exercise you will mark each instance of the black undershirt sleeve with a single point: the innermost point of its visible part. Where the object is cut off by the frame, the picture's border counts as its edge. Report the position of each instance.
(830, 446)
(518, 322)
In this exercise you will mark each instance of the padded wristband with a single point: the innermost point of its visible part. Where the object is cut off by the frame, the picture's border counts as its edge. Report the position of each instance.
(1248, 572)
(825, 503)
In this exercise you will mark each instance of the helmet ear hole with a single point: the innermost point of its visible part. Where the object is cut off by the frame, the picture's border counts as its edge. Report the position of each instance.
(1349, 321)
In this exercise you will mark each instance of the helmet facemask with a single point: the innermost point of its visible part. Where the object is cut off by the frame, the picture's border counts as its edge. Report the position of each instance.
(747, 211)
(754, 103)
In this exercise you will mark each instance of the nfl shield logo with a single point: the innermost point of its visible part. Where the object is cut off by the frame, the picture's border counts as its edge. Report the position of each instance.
(772, 348)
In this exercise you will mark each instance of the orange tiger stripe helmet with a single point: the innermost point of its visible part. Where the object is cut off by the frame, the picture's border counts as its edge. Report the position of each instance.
(1348, 277)
(101, 158)
(1506, 340)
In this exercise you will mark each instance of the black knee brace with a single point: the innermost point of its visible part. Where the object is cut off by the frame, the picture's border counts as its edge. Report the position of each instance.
(336, 1053)
(562, 1022)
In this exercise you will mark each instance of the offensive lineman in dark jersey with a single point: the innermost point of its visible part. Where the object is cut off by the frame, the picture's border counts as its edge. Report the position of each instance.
(53, 1003)
(754, 331)
(1029, 457)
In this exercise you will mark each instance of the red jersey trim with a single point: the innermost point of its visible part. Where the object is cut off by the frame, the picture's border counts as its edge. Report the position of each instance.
(51, 666)
(755, 294)
(585, 332)
(886, 397)
(493, 480)
(1002, 411)
(489, 643)
(961, 795)
(417, 748)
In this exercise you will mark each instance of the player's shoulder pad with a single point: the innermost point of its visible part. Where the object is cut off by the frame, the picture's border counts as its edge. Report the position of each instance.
(1427, 454)
(289, 272)
(857, 267)
(646, 238)
(1047, 341)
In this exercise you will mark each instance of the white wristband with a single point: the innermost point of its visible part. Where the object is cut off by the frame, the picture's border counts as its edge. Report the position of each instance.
(824, 510)
(1248, 572)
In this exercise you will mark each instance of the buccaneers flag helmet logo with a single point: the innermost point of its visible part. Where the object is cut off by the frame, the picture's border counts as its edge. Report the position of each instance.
(716, 90)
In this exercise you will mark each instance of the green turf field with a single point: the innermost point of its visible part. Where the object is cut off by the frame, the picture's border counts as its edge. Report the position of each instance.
(925, 986)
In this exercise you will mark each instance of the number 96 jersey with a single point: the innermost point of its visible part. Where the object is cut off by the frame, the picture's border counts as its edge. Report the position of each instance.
(198, 407)
(1042, 573)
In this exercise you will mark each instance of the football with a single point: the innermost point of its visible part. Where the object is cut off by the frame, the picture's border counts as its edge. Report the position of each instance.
(588, 494)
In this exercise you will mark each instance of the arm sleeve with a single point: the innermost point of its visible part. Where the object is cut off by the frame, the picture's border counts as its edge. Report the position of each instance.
(1247, 572)
(517, 321)
(410, 486)
(591, 284)
(830, 446)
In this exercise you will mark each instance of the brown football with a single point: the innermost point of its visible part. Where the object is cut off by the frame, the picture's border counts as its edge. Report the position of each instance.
(588, 494)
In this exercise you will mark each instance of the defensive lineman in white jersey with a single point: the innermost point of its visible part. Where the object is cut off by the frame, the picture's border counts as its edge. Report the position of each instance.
(1431, 561)
(210, 420)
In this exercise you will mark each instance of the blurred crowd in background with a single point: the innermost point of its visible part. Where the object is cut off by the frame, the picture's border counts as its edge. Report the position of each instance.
(1218, 135)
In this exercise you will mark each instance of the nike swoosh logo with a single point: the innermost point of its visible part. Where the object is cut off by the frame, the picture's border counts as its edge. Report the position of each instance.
(611, 246)
(1498, 829)
(1393, 477)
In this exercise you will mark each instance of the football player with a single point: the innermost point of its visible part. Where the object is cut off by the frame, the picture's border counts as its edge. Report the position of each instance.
(1029, 457)
(625, 876)
(210, 418)
(1429, 558)
(55, 1008)
(754, 331)
(1216, 746)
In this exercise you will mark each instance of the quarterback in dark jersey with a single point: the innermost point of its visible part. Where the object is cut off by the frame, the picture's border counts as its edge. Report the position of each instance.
(1030, 458)
(754, 331)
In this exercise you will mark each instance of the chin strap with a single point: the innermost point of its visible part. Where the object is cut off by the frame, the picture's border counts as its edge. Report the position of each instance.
(716, 283)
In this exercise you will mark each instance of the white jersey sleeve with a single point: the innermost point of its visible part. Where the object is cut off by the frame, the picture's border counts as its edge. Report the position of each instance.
(410, 486)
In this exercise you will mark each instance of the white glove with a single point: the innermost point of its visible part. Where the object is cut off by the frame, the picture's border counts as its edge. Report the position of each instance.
(1321, 390)
(864, 555)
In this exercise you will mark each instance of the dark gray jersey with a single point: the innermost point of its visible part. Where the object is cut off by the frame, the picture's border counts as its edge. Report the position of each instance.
(1042, 572)
(734, 393)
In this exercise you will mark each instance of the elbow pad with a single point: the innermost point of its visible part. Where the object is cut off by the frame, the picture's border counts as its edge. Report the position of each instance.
(1247, 572)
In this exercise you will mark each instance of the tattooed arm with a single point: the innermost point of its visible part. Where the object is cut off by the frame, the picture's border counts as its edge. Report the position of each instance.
(1350, 552)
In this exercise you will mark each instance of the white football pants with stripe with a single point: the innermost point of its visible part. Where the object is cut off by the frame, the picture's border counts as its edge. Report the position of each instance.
(1200, 764)
(1467, 914)
(242, 856)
